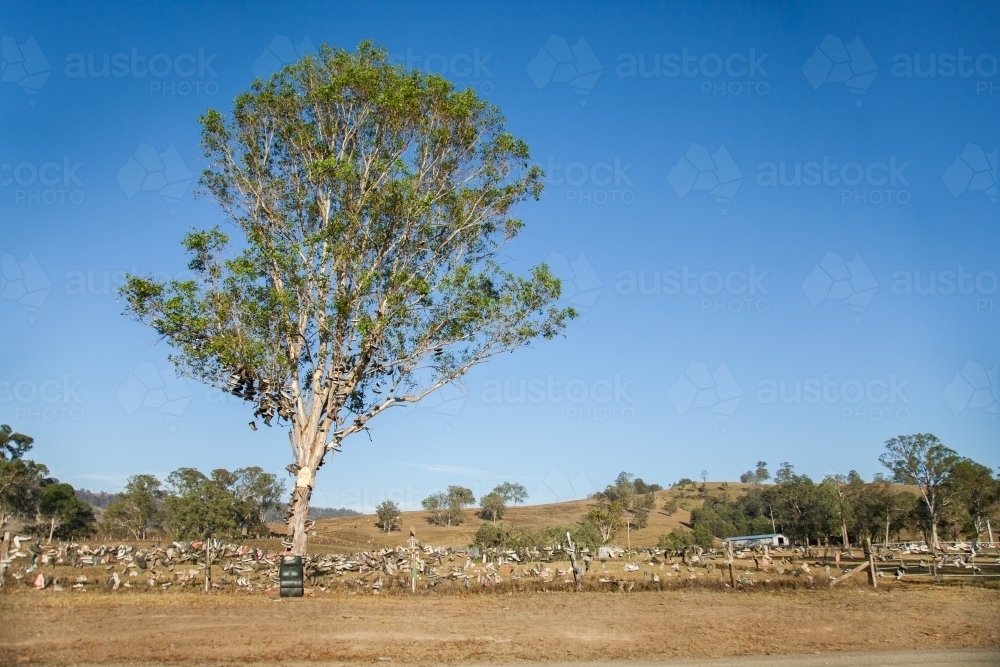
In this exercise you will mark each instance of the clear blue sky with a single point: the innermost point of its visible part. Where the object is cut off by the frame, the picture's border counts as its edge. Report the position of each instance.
(780, 221)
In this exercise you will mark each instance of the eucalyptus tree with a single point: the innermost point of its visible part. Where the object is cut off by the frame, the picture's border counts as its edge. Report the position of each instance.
(21, 483)
(978, 495)
(197, 506)
(255, 494)
(388, 515)
(843, 505)
(138, 509)
(493, 505)
(923, 461)
(59, 513)
(511, 492)
(21, 480)
(372, 203)
(13, 445)
(878, 508)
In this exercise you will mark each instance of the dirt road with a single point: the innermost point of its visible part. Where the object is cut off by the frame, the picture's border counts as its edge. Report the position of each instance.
(185, 628)
(947, 658)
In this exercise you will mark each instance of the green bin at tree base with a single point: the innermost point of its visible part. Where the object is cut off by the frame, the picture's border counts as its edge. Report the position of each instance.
(290, 577)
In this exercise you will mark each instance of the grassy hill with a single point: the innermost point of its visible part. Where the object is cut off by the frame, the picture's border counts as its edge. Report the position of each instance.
(360, 532)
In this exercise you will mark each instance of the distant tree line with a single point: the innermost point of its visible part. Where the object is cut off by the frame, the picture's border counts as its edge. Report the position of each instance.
(931, 491)
(99, 499)
(45, 506)
(318, 513)
(145, 496)
(190, 504)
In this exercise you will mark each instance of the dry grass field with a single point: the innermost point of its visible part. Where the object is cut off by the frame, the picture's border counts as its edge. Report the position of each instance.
(429, 629)
(688, 612)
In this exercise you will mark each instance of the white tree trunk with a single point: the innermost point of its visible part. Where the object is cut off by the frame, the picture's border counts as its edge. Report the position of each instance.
(298, 508)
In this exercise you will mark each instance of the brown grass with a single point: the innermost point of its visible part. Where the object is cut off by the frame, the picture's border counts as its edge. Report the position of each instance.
(190, 628)
(360, 532)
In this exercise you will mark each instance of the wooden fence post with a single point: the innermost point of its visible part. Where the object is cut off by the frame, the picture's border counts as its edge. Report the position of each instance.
(577, 571)
(208, 564)
(413, 561)
(872, 570)
(851, 573)
(4, 551)
(729, 561)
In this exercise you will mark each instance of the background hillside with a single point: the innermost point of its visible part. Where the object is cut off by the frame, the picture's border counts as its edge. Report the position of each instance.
(361, 530)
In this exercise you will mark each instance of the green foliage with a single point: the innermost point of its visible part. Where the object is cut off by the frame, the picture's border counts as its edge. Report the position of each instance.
(584, 534)
(51, 508)
(702, 537)
(255, 494)
(446, 508)
(918, 460)
(682, 482)
(757, 476)
(879, 510)
(606, 519)
(372, 204)
(642, 488)
(512, 493)
(493, 506)
(21, 482)
(224, 505)
(786, 472)
(388, 515)
(137, 510)
(621, 491)
(491, 535)
(923, 461)
(505, 536)
(677, 538)
(641, 507)
(437, 505)
(670, 506)
(633, 495)
(977, 496)
(198, 506)
(460, 496)
(804, 510)
(13, 445)
(720, 519)
(62, 515)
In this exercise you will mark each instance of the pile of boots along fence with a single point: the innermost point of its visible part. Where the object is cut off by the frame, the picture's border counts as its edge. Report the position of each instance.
(231, 566)
(28, 563)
